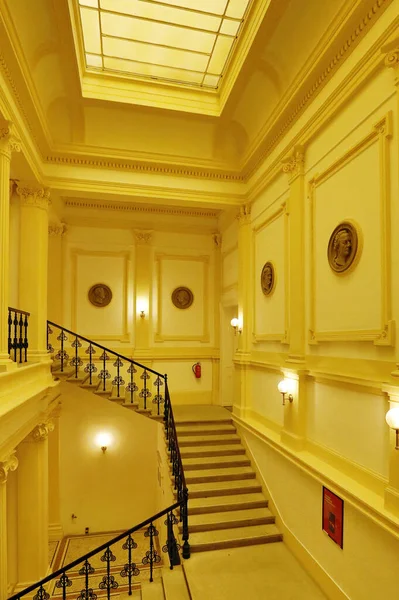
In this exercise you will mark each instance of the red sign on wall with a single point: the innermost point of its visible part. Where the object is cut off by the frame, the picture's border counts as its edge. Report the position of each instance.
(333, 516)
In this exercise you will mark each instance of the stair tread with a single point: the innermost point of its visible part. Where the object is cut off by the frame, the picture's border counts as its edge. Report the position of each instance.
(222, 472)
(152, 591)
(220, 502)
(204, 429)
(223, 485)
(194, 463)
(208, 439)
(230, 515)
(217, 448)
(235, 533)
(174, 584)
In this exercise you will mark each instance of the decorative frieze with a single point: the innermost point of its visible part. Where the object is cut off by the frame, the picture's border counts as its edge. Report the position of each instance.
(9, 140)
(9, 464)
(34, 195)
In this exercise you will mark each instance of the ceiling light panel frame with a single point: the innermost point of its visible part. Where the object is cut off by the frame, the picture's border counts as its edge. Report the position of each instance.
(171, 41)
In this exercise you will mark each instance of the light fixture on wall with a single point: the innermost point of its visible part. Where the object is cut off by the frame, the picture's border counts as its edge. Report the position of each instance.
(392, 418)
(286, 386)
(141, 307)
(235, 323)
(103, 440)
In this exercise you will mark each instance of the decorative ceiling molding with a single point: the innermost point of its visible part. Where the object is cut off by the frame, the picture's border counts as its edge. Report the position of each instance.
(140, 208)
(268, 142)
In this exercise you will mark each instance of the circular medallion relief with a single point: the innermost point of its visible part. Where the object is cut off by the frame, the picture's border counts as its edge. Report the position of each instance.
(268, 279)
(100, 295)
(343, 247)
(182, 297)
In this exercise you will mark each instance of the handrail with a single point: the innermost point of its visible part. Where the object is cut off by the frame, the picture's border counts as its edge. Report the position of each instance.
(85, 557)
(18, 310)
(106, 349)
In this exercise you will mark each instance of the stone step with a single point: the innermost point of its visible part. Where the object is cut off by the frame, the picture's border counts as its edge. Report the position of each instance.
(182, 422)
(152, 590)
(224, 474)
(234, 537)
(174, 584)
(227, 450)
(212, 440)
(230, 519)
(183, 430)
(199, 506)
(215, 462)
(224, 488)
(67, 372)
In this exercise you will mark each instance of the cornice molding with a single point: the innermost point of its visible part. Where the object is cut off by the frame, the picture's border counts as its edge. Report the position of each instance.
(10, 463)
(32, 194)
(137, 208)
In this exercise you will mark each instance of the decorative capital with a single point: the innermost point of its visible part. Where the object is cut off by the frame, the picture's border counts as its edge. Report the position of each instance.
(57, 229)
(41, 431)
(392, 59)
(294, 164)
(244, 216)
(143, 236)
(217, 240)
(34, 195)
(9, 464)
(9, 140)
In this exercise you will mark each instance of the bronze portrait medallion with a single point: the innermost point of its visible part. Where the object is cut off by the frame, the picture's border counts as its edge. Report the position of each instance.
(342, 247)
(182, 297)
(100, 295)
(268, 279)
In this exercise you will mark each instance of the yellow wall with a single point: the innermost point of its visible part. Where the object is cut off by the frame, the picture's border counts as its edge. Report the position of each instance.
(112, 491)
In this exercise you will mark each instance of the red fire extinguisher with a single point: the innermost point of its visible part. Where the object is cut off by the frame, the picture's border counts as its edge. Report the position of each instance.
(197, 370)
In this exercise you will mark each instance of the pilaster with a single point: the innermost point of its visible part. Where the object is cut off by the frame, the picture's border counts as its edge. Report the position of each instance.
(217, 240)
(10, 463)
(9, 142)
(56, 236)
(242, 388)
(293, 432)
(33, 493)
(391, 495)
(34, 201)
(143, 282)
(54, 513)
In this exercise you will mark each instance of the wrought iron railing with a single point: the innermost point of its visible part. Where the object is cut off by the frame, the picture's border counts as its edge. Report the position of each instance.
(18, 334)
(111, 551)
(101, 365)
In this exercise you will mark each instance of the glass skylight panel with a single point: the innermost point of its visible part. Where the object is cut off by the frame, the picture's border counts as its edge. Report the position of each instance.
(184, 41)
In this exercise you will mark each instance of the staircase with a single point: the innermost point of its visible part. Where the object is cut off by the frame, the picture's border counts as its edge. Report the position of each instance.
(110, 392)
(226, 507)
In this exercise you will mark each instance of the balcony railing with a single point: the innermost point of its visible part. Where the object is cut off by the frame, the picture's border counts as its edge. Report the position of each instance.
(18, 334)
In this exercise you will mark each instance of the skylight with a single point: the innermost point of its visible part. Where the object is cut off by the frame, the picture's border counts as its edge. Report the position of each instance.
(181, 41)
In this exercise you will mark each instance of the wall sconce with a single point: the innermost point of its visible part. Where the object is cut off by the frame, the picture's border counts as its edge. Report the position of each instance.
(392, 418)
(235, 323)
(141, 307)
(286, 386)
(103, 440)
(142, 314)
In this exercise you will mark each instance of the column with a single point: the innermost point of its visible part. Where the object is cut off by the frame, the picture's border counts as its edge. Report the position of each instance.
(56, 233)
(392, 62)
(242, 380)
(54, 509)
(294, 429)
(33, 265)
(143, 286)
(216, 390)
(9, 143)
(33, 504)
(8, 464)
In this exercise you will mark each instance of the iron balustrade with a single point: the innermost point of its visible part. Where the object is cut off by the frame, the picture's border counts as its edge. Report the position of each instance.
(18, 334)
(115, 578)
